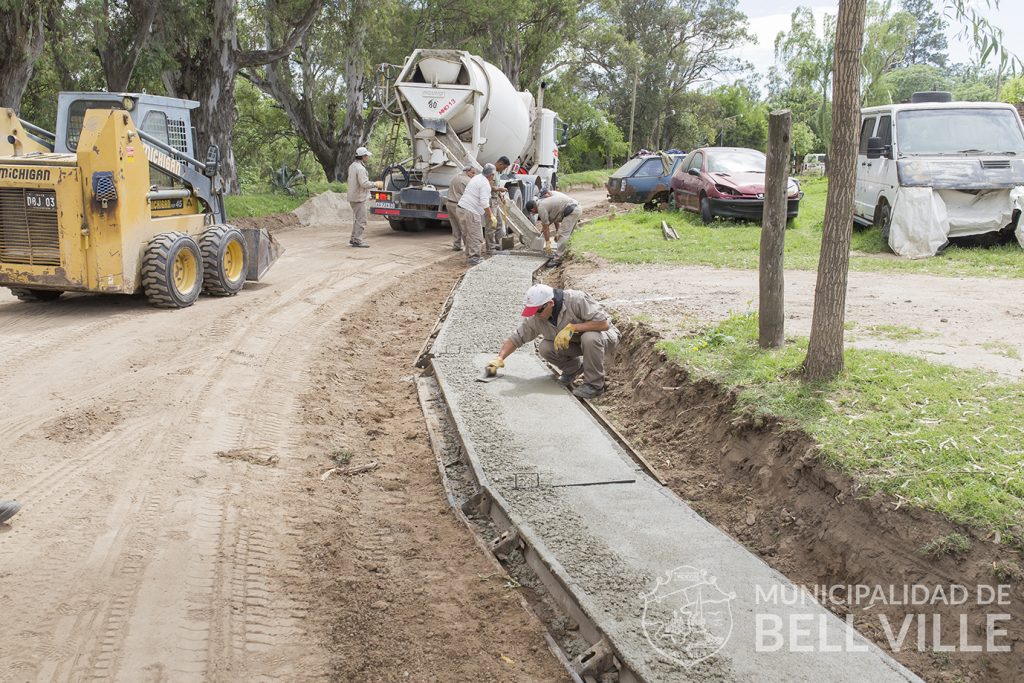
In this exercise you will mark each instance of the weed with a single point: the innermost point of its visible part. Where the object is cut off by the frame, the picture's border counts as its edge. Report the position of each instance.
(1003, 349)
(340, 457)
(899, 332)
(1006, 571)
(953, 543)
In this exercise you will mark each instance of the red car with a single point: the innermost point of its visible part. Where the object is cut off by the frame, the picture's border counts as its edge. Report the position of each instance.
(727, 182)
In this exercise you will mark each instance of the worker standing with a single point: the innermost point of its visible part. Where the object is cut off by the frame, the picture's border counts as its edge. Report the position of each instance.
(576, 335)
(558, 210)
(455, 190)
(359, 186)
(474, 207)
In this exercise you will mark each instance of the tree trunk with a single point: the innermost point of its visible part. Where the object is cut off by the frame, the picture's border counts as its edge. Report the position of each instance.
(21, 43)
(771, 308)
(208, 75)
(825, 350)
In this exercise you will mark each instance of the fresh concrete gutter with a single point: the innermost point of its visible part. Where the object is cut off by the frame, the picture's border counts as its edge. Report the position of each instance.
(661, 594)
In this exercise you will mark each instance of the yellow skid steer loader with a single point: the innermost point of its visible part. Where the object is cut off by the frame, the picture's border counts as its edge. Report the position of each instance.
(116, 201)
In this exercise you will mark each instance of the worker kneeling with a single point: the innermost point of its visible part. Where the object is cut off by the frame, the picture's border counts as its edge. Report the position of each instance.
(576, 334)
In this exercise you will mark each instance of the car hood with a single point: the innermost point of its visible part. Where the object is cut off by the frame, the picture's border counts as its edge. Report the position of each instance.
(747, 183)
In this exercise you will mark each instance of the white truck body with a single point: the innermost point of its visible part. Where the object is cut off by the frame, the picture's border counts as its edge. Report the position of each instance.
(460, 109)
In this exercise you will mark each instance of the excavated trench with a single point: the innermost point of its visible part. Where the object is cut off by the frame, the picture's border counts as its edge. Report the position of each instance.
(763, 483)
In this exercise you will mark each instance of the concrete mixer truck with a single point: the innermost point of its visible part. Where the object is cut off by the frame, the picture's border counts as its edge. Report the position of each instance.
(459, 109)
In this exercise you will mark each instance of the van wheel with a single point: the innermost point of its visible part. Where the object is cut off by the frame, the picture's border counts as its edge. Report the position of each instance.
(706, 214)
(883, 220)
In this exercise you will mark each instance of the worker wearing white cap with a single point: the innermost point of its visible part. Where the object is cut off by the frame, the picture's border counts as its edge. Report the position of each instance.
(575, 335)
(359, 186)
(455, 190)
(474, 208)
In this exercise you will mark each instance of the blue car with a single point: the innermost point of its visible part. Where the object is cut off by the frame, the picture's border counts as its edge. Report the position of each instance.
(645, 179)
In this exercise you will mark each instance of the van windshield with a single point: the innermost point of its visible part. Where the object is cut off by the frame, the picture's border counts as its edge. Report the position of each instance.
(959, 131)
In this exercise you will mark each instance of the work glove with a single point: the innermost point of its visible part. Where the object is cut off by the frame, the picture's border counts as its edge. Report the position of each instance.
(492, 367)
(563, 338)
(379, 184)
(494, 222)
(549, 247)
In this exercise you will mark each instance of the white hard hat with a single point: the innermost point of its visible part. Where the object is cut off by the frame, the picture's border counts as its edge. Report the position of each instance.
(362, 152)
(536, 297)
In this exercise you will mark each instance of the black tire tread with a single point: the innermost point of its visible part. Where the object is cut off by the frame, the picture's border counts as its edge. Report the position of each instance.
(30, 295)
(209, 248)
(155, 270)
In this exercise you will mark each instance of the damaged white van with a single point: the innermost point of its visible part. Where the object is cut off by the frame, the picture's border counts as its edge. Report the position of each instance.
(935, 170)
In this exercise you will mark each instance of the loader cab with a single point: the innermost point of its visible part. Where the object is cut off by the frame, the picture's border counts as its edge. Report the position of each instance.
(167, 119)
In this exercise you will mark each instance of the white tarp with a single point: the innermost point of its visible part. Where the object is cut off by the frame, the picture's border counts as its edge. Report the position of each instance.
(924, 219)
(919, 223)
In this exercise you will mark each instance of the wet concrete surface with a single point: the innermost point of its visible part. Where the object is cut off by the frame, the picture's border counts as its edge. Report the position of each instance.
(679, 599)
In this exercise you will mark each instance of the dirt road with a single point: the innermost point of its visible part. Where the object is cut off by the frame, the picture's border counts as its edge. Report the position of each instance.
(175, 524)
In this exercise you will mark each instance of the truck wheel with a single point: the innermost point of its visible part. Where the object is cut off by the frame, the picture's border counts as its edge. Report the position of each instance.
(35, 295)
(706, 214)
(554, 181)
(515, 196)
(225, 263)
(172, 270)
(883, 220)
(397, 224)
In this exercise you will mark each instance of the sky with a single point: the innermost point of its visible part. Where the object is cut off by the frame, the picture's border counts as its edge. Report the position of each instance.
(768, 17)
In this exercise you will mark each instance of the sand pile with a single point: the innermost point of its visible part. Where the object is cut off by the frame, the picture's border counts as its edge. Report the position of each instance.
(328, 208)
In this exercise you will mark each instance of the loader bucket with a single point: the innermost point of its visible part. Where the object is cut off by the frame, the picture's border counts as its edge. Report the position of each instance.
(261, 251)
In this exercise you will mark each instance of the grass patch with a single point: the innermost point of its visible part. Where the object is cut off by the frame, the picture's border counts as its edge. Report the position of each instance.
(898, 332)
(636, 237)
(953, 543)
(592, 178)
(939, 437)
(264, 202)
(1003, 349)
(340, 457)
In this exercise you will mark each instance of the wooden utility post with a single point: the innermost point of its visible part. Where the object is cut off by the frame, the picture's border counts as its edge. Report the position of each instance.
(771, 304)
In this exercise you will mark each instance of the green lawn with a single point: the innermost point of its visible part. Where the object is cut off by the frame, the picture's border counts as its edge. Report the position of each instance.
(585, 178)
(941, 438)
(636, 238)
(264, 202)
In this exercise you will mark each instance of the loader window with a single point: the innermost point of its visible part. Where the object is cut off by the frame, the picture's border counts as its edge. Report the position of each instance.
(76, 117)
(176, 135)
(155, 124)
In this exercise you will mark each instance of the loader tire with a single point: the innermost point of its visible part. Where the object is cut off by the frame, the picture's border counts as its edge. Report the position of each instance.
(172, 270)
(225, 262)
(35, 295)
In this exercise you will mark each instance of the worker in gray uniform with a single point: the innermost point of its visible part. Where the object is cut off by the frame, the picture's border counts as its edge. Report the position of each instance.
(473, 209)
(563, 213)
(359, 186)
(455, 189)
(575, 336)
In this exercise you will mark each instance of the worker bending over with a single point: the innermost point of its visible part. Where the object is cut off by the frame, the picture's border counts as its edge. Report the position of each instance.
(473, 209)
(455, 190)
(558, 210)
(575, 333)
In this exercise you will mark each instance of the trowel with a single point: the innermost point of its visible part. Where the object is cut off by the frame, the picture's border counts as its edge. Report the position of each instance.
(490, 374)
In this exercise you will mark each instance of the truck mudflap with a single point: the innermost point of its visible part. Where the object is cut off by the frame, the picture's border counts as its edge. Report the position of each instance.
(261, 251)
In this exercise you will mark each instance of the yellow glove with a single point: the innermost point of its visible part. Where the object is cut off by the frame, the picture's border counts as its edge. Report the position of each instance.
(549, 247)
(492, 367)
(563, 338)
(494, 222)
(379, 184)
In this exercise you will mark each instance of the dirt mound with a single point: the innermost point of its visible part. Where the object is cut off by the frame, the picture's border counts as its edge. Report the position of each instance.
(764, 484)
(275, 223)
(328, 208)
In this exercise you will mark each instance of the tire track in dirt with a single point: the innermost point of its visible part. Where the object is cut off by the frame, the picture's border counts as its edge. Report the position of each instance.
(154, 570)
